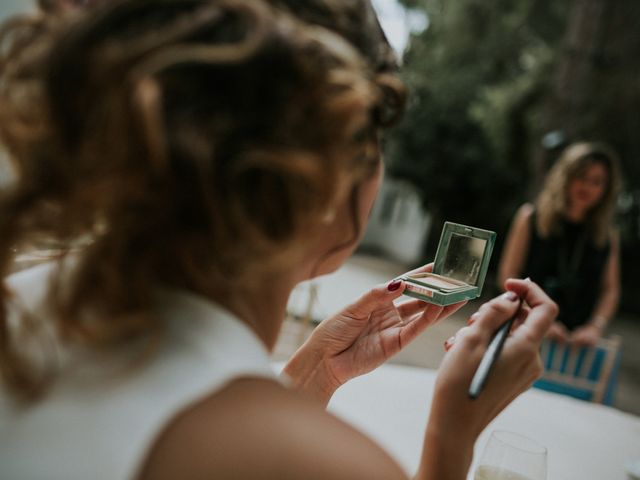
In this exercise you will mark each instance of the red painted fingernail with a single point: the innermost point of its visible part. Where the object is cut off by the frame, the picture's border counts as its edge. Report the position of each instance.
(472, 318)
(448, 343)
(393, 286)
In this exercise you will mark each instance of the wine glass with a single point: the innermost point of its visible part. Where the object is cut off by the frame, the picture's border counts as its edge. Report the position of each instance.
(511, 456)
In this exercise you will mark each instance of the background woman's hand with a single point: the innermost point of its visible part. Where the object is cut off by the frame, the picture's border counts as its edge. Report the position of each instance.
(362, 336)
(558, 333)
(585, 335)
(456, 420)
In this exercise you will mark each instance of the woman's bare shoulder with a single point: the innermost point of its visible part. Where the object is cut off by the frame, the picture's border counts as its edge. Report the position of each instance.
(522, 218)
(258, 429)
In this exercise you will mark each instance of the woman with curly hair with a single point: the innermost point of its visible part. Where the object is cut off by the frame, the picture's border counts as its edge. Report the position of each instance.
(566, 242)
(192, 161)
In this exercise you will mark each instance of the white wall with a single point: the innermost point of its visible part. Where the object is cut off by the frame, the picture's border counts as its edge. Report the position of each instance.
(398, 225)
(9, 7)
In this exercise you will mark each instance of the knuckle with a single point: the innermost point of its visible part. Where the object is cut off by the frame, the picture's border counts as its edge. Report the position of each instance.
(379, 290)
(535, 284)
(529, 351)
(373, 296)
(554, 309)
(496, 307)
(471, 339)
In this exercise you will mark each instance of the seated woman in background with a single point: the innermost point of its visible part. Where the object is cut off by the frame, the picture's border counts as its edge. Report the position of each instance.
(197, 159)
(567, 244)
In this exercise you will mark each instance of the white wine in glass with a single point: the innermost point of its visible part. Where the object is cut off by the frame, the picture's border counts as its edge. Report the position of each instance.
(511, 456)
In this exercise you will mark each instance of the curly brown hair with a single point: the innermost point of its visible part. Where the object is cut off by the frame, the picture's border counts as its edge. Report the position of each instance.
(552, 202)
(188, 142)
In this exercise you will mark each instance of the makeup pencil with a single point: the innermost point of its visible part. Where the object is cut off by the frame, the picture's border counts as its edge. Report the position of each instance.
(491, 355)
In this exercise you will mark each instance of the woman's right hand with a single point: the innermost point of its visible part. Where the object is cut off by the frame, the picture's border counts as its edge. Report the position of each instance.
(456, 420)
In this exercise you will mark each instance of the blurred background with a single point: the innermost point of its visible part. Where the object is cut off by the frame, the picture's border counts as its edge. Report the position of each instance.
(498, 88)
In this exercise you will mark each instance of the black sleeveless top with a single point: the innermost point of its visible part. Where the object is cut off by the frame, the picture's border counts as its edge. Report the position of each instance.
(569, 268)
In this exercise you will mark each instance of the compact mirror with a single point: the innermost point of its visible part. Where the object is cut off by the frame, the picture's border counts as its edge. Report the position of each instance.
(464, 258)
(460, 267)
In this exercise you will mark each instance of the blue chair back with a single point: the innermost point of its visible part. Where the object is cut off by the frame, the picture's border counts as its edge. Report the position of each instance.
(586, 373)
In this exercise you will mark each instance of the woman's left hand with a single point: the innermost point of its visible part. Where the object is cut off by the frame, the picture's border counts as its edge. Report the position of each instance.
(361, 337)
(585, 336)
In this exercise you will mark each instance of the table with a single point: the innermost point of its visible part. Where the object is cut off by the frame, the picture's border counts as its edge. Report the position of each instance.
(585, 441)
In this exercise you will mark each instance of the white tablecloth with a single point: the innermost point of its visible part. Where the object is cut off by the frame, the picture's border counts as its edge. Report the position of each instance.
(585, 441)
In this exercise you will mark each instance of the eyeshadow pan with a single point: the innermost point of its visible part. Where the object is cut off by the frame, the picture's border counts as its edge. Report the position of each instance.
(438, 281)
(459, 269)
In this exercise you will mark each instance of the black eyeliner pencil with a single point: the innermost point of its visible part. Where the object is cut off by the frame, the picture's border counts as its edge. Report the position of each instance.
(491, 355)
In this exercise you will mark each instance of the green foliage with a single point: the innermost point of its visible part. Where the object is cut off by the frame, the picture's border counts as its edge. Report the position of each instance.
(477, 77)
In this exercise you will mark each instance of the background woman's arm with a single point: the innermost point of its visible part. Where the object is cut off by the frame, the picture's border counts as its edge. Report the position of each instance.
(516, 247)
(610, 291)
(608, 300)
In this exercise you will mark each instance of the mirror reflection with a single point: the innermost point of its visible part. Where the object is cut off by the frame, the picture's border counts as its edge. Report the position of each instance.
(464, 257)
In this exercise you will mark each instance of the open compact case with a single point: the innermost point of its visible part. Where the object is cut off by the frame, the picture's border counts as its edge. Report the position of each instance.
(461, 264)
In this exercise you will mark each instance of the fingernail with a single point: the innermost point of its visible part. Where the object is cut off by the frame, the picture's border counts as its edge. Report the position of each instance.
(473, 318)
(528, 279)
(448, 343)
(511, 296)
(393, 286)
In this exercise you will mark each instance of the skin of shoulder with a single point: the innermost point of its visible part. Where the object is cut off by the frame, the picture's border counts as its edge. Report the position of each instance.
(257, 429)
(524, 213)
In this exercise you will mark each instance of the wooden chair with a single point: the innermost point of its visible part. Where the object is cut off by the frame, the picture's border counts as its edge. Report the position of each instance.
(585, 373)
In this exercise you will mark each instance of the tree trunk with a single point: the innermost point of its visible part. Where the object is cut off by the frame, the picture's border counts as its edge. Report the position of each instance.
(595, 94)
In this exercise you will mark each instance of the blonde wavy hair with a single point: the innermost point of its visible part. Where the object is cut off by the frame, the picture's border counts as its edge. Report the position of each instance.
(188, 142)
(552, 202)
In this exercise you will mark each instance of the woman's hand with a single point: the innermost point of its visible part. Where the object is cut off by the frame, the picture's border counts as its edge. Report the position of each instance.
(456, 420)
(585, 336)
(361, 337)
(558, 333)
